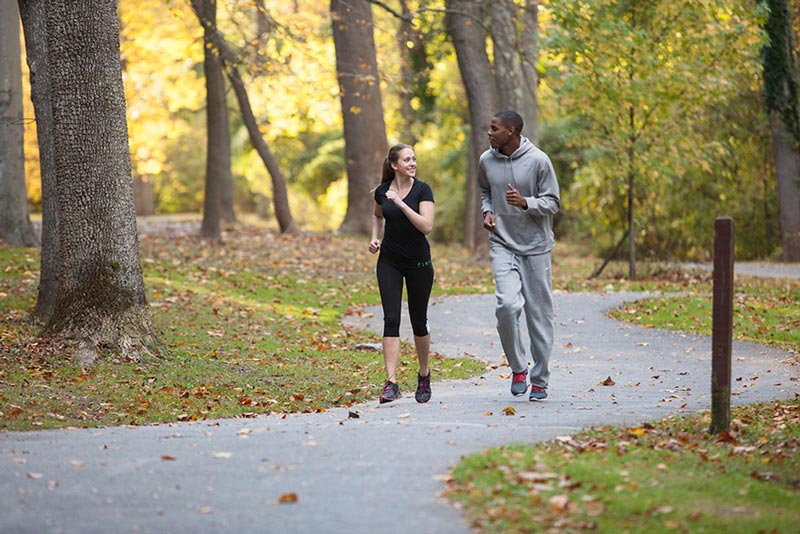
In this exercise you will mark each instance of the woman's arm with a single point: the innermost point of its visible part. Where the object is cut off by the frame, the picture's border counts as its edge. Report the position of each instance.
(377, 226)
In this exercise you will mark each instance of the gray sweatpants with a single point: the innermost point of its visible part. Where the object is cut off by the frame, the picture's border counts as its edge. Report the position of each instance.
(524, 283)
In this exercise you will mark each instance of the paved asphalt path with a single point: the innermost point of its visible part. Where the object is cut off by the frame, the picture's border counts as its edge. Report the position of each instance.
(380, 472)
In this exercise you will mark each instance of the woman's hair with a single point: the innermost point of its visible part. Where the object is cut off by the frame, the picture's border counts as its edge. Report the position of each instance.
(394, 153)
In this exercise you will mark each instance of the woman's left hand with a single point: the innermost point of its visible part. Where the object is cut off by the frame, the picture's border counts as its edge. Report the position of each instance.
(374, 245)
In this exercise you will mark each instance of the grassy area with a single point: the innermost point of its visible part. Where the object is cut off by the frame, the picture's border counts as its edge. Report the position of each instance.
(254, 326)
(251, 327)
(669, 476)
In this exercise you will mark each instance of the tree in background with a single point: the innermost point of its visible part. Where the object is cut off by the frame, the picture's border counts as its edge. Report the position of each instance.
(99, 296)
(218, 140)
(466, 30)
(781, 75)
(633, 76)
(362, 109)
(15, 223)
(230, 64)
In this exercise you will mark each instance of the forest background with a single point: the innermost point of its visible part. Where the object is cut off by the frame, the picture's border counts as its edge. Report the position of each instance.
(681, 90)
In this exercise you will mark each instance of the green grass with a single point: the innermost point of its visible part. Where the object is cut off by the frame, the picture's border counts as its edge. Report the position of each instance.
(251, 327)
(765, 311)
(670, 476)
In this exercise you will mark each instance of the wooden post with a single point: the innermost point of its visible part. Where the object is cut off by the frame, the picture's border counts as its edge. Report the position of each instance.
(722, 327)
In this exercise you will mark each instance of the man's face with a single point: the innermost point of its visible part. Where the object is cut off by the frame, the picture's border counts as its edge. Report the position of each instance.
(498, 133)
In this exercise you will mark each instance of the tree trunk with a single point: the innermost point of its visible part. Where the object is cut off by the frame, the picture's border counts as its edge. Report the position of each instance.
(34, 19)
(100, 299)
(787, 169)
(227, 59)
(218, 143)
(15, 223)
(529, 56)
(362, 109)
(783, 110)
(515, 49)
(469, 39)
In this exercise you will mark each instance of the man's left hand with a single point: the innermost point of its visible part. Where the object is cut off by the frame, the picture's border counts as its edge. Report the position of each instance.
(515, 199)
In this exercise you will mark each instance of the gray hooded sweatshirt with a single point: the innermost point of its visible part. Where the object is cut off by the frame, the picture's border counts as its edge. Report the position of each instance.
(530, 171)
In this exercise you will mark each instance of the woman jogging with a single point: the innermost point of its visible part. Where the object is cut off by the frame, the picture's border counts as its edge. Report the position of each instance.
(404, 211)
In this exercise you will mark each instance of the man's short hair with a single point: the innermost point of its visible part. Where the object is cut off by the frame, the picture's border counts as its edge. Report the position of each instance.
(510, 118)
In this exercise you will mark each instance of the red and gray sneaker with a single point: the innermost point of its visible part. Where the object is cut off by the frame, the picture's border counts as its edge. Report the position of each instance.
(391, 391)
(519, 383)
(423, 393)
(538, 393)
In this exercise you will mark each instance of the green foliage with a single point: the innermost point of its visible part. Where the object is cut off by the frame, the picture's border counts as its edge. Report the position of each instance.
(638, 77)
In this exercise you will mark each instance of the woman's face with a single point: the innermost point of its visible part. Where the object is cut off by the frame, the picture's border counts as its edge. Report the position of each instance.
(406, 163)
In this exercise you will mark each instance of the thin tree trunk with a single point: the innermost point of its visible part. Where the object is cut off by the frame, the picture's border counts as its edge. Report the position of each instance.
(469, 40)
(15, 223)
(218, 143)
(279, 191)
(362, 109)
(34, 18)
(100, 299)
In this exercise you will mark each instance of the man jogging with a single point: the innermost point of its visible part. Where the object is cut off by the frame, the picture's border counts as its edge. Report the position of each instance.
(519, 196)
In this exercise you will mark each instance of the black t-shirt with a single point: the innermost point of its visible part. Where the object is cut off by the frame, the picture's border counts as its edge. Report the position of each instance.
(403, 245)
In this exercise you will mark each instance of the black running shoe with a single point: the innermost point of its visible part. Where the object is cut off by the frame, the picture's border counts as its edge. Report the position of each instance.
(391, 391)
(423, 393)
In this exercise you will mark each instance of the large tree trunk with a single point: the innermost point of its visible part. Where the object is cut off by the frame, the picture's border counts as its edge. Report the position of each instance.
(34, 19)
(15, 223)
(362, 109)
(100, 299)
(218, 142)
(514, 33)
(469, 39)
(228, 61)
(783, 109)
(787, 168)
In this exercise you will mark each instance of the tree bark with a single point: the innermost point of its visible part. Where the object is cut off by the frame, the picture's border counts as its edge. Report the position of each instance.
(228, 61)
(781, 91)
(100, 299)
(469, 39)
(216, 203)
(362, 109)
(787, 169)
(15, 223)
(34, 19)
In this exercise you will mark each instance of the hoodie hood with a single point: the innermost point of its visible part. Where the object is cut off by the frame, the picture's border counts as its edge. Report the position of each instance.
(524, 147)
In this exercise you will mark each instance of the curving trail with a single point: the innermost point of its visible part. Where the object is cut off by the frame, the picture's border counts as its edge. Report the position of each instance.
(365, 474)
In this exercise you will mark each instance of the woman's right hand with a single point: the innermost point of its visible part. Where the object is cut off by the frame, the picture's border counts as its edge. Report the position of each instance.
(374, 245)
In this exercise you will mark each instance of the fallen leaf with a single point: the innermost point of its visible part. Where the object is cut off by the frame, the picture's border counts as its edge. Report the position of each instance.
(509, 410)
(607, 382)
(287, 498)
(222, 455)
(167, 457)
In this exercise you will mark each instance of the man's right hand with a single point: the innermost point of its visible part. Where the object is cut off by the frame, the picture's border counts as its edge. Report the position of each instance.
(488, 221)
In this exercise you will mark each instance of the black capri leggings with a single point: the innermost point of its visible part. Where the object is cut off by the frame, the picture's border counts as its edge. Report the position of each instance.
(419, 281)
